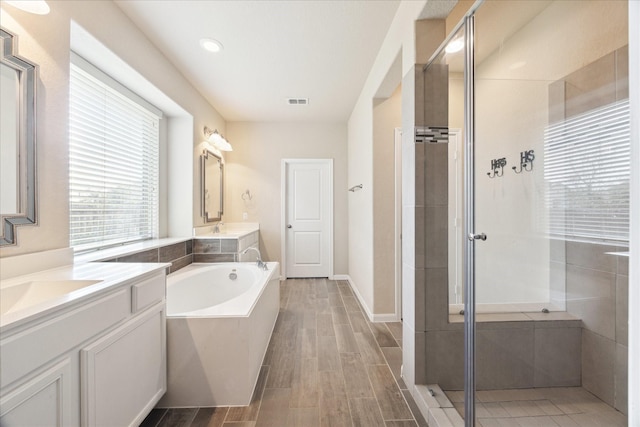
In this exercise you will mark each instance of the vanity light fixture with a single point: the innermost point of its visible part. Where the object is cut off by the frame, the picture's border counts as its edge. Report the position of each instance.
(211, 45)
(455, 45)
(38, 7)
(217, 140)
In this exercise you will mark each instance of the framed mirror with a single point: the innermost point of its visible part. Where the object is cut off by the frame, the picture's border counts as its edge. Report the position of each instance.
(17, 139)
(212, 179)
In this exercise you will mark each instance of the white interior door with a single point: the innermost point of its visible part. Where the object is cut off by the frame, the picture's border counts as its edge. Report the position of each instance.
(308, 218)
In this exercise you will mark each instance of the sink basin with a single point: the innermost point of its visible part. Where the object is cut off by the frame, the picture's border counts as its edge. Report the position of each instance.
(27, 294)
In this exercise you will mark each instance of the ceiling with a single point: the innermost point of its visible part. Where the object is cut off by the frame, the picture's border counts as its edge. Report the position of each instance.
(273, 50)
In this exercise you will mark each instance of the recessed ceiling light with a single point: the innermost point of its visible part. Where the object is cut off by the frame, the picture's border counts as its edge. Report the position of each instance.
(211, 45)
(39, 7)
(455, 45)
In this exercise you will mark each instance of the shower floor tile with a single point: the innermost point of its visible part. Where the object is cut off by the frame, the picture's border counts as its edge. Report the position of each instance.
(544, 407)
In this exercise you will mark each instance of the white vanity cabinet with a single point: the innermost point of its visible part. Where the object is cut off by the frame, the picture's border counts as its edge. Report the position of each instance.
(96, 361)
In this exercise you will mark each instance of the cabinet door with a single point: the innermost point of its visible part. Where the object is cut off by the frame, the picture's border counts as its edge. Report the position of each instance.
(42, 401)
(124, 374)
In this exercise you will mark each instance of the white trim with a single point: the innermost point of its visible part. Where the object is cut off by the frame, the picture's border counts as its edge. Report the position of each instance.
(633, 374)
(103, 77)
(283, 212)
(397, 149)
(383, 317)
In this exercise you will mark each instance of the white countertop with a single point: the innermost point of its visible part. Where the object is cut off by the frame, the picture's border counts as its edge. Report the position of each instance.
(233, 230)
(105, 274)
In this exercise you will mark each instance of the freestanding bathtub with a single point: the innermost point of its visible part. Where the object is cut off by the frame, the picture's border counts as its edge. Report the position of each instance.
(219, 322)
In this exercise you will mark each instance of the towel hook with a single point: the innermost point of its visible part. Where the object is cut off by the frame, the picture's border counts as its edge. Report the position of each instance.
(247, 195)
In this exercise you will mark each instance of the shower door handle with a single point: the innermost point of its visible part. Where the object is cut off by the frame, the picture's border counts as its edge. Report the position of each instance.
(480, 236)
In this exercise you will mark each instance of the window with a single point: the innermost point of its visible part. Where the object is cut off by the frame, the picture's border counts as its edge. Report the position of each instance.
(113, 162)
(587, 174)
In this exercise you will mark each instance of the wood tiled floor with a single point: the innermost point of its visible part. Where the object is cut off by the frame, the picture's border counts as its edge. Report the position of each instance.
(547, 407)
(326, 365)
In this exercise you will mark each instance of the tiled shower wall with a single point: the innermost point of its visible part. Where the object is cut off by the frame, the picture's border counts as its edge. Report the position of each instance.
(597, 282)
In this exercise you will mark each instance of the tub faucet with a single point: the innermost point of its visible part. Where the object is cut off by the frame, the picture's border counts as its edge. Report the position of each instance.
(259, 261)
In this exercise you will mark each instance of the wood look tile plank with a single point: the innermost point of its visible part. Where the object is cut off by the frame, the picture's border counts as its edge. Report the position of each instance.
(382, 335)
(309, 319)
(325, 325)
(240, 424)
(328, 356)
(366, 413)
(345, 338)
(304, 389)
(304, 417)
(339, 315)
(274, 410)
(178, 417)
(308, 345)
(320, 288)
(154, 417)
(389, 396)
(355, 376)
(332, 287)
(281, 374)
(402, 423)
(209, 417)
(344, 288)
(369, 349)
(358, 322)
(250, 413)
(393, 356)
(413, 407)
(351, 304)
(334, 407)
(396, 329)
(335, 300)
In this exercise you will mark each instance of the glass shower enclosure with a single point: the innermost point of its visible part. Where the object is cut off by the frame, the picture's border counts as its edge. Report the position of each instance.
(533, 100)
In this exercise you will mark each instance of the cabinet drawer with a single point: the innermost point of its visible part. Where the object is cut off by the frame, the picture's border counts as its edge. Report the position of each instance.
(147, 293)
(26, 351)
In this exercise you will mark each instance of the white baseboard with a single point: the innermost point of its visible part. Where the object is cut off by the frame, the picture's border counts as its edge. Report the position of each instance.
(384, 317)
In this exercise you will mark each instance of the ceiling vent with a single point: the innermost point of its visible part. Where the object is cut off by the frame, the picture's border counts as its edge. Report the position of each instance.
(297, 101)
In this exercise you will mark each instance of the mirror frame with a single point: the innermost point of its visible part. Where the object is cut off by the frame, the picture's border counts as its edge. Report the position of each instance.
(27, 76)
(206, 154)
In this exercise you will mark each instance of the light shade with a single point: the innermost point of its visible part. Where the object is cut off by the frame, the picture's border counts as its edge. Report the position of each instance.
(39, 7)
(218, 141)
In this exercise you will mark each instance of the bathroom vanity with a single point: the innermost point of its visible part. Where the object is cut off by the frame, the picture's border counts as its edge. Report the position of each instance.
(225, 243)
(83, 345)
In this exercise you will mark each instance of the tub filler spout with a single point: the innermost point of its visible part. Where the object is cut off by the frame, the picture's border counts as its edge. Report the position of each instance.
(259, 261)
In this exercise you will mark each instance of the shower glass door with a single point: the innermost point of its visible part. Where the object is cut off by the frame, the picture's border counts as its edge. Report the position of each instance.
(550, 181)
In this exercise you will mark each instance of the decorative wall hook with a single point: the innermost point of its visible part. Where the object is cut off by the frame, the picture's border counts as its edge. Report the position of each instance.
(497, 167)
(526, 161)
(247, 195)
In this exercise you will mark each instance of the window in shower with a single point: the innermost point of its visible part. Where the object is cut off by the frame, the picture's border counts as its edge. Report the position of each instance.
(587, 175)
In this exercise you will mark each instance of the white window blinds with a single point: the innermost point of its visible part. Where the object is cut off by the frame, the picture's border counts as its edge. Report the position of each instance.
(587, 175)
(113, 163)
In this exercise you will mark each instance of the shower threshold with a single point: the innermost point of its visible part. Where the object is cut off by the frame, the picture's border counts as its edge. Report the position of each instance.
(548, 407)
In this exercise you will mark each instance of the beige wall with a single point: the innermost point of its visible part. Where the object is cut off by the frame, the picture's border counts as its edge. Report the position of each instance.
(400, 38)
(255, 164)
(46, 40)
(387, 115)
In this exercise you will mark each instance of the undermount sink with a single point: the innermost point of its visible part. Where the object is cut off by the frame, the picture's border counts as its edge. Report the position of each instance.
(27, 294)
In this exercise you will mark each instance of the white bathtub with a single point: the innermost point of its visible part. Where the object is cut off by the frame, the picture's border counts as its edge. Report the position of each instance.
(218, 330)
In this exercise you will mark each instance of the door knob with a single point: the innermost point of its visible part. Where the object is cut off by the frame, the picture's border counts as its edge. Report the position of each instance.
(480, 236)
(289, 226)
